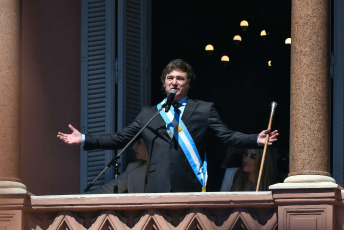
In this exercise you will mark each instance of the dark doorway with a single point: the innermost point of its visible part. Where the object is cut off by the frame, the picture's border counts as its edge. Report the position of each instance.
(242, 89)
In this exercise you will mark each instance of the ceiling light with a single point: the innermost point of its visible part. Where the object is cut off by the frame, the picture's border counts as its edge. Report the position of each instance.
(237, 38)
(288, 41)
(209, 47)
(263, 33)
(244, 25)
(225, 58)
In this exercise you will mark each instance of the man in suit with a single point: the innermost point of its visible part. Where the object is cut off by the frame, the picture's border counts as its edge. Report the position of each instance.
(176, 141)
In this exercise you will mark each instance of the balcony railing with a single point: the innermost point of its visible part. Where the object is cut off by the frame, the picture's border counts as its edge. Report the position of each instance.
(309, 208)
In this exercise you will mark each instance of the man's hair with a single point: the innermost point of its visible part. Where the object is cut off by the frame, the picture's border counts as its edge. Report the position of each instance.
(178, 64)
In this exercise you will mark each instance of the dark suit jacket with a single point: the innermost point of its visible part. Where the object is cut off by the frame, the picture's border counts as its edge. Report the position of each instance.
(169, 170)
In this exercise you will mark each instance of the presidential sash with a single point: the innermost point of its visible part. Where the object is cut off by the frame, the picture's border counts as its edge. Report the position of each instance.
(177, 127)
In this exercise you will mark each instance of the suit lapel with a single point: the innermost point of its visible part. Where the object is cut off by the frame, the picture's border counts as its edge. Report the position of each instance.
(190, 107)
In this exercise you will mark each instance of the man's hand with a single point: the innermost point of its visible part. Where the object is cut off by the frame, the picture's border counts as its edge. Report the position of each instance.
(262, 137)
(74, 138)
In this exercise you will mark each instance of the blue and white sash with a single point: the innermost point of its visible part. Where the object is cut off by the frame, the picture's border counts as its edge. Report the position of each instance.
(182, 135)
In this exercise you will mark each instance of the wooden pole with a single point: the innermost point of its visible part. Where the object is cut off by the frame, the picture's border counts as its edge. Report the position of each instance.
(273, 107)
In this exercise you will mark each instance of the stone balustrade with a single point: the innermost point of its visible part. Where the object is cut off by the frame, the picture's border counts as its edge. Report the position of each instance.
(309, 207)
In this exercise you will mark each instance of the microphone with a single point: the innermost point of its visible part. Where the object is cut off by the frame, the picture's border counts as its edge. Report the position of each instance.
(170, 99)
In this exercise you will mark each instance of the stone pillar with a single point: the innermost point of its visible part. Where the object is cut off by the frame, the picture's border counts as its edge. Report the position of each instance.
(12, 192)
(307, 198)
(310, 92)
(10, 26)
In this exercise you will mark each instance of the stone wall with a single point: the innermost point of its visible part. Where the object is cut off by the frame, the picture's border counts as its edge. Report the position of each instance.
(312, 207)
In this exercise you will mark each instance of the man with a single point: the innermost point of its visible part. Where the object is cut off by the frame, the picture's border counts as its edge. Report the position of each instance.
(176, 140)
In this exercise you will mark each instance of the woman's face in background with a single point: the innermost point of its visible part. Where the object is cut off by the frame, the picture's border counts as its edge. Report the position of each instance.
(250, 161)
(140, 149)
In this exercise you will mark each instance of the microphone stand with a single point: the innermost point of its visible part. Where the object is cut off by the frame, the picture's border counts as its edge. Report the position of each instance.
(114, 160)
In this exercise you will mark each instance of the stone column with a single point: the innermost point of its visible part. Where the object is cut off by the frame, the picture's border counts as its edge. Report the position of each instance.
(310, 92)
(10, 26)
(307, 199)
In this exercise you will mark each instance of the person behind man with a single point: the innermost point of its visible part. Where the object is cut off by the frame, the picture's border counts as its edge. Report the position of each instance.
(245, 178)
(133, 179)
(177, 140)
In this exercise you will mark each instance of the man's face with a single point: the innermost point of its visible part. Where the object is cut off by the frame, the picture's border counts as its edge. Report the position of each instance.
(177, 80)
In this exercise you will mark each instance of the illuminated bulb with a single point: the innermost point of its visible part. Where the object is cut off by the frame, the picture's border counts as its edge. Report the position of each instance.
(263, 33)
(244, 25)
(209, 47)
(225, 58)
(269, 63)
(288, 41)
(237, 38)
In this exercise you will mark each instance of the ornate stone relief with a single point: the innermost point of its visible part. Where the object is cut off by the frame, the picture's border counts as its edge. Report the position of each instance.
(157, 219)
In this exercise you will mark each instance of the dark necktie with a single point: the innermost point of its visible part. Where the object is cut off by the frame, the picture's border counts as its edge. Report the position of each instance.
(176, 107)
